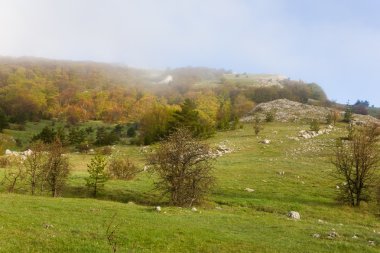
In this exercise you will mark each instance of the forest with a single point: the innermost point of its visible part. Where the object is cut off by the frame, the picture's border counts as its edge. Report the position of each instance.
(75, 92)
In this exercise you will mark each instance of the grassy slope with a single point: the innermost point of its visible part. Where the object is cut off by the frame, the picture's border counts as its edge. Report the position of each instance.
(246, 222)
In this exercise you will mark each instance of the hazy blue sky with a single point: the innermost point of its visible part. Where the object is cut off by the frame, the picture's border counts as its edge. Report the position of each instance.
(335, 43)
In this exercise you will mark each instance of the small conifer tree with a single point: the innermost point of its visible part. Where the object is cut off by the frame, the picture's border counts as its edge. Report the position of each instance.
(98, 175)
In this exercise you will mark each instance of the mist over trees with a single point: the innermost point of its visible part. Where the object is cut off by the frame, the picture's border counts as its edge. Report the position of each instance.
(74, 92)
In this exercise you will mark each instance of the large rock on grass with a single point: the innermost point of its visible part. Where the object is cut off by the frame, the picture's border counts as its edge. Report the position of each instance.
(294, 215)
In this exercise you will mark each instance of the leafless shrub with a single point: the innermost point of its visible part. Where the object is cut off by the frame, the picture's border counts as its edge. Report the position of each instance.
(257, 125)
(56, 169)
(183, 167)
(356, 163)
(111, 234)
(13, 177)
(34, 166)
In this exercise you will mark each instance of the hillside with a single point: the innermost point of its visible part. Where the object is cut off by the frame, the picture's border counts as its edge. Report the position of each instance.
(32, 89)
(284, 175)
(100, 110)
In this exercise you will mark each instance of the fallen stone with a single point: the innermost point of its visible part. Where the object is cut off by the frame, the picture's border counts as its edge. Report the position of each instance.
(294, 215)
(333, 235)
(47, 226)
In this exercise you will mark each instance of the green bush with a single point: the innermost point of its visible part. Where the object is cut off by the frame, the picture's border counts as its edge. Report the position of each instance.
(314, 125)
(107, 150)
(269, 116)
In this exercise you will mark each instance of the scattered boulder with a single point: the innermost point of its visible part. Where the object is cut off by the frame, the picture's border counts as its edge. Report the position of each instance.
(332, 235)
(194, 209)
(266, 141)
(294, 215)
(355, 237)
(47, 226)
(316, 235)
(249, 190)
(158, 208)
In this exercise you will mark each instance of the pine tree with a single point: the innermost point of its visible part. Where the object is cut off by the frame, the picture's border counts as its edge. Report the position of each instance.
(188, 117)
(348, 114)
(98, 175)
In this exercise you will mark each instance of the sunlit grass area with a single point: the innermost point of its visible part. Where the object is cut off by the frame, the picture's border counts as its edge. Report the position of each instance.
(285, 175)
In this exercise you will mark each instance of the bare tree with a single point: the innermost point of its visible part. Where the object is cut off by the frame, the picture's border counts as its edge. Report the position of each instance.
(184, 167)
(257, 125)
(13, 176)
(34, 166)
(356, 161)
(56, 168)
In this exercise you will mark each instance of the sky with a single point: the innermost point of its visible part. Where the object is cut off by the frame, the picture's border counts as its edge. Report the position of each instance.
(335, 43)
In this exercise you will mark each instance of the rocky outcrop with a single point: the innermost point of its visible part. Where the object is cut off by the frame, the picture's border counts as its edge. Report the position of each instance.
(284, 110)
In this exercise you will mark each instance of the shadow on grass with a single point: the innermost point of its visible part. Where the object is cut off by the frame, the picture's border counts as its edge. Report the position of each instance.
(118, 195)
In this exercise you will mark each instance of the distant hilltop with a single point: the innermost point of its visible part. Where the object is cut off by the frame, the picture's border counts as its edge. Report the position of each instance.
(255, 79)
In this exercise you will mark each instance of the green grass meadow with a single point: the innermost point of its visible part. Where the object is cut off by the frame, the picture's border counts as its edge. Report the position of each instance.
(231, 219)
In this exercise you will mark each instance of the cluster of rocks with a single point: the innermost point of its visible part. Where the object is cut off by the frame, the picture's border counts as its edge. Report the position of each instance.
(23, 155)
(334, 235)
(308, 134)
(221, 150)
